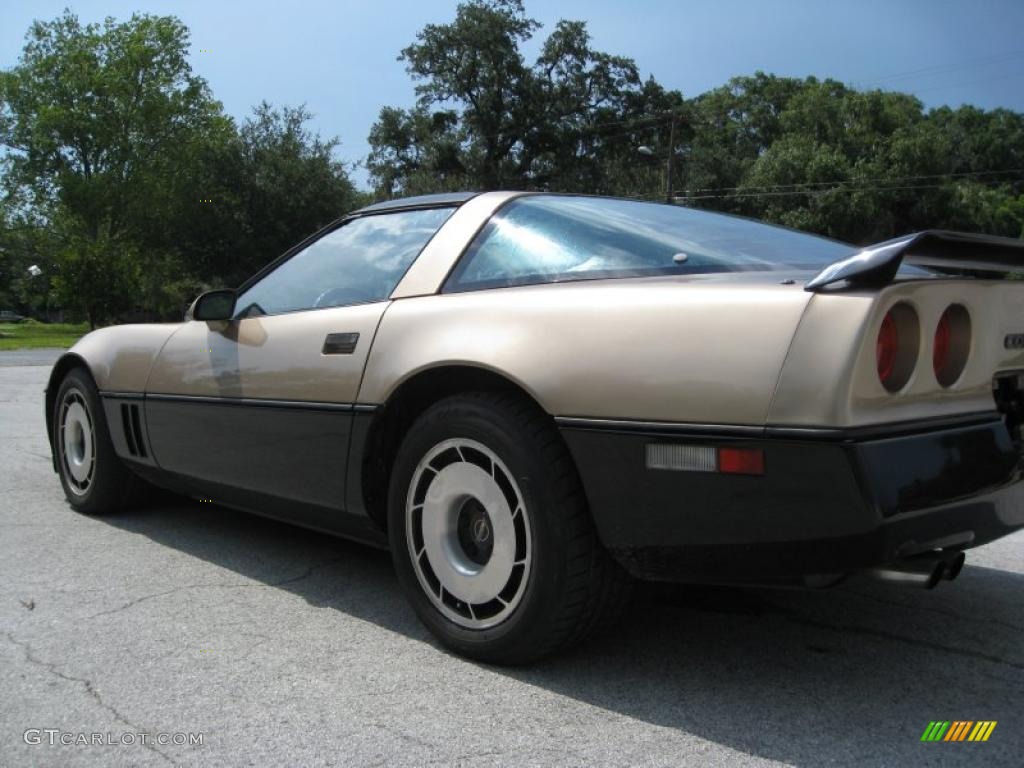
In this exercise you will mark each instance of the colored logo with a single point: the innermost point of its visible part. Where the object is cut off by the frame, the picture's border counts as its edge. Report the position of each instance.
(958, 730)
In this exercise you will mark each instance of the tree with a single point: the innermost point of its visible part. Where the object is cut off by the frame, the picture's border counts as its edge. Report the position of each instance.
(24, 245)
(145, 189)
(97, 120)
(859, 166)
(486, 119)
(271, 186)
(808, 153)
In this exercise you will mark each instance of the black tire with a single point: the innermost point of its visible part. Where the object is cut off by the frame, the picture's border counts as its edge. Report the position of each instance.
(572, 587)
(109, 485)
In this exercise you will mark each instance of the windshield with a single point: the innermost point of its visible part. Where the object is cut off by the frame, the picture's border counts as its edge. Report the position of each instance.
(549, 238)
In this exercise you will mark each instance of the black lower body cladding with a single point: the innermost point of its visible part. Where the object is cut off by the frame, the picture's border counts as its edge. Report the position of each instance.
(828, 502)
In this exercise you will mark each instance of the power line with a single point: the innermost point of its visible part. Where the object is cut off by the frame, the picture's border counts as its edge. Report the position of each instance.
(647, 121)
(627, 132)
(865, 181)
(961, 84)
(642, 121)
(665, 115)
(831, 189)
(935, 69)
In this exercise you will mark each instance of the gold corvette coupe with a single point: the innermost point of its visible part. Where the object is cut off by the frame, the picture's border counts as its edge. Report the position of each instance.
(532, 399)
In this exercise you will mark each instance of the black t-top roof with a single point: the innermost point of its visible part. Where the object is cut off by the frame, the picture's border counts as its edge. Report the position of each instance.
(426, 201)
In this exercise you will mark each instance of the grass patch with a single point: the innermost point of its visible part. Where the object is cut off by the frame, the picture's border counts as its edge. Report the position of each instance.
(32, 335)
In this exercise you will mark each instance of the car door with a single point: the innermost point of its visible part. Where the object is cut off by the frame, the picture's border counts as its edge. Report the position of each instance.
(257, 411)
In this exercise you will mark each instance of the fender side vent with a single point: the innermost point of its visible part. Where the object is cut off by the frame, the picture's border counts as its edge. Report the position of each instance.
(129, 436)
(132, 426)
(137, 430)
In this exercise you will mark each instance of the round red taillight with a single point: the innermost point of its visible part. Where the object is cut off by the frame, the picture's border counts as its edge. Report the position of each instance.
(940, 350)
(885, 351)
(897, 346)
(952, 345)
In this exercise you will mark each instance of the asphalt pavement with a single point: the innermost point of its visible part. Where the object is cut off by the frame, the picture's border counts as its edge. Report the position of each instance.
(279, 646)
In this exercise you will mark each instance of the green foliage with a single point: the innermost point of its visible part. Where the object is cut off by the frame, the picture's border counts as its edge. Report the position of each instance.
(140, 188)
(271, 186)
(813, 154)
(31, 334)
(24, 243)
(97, 274)
(98, 118)
(861, 166)
(485, 118)
(129, 190)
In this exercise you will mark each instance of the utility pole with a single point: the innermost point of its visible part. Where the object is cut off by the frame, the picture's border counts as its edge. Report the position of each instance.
(646, 151)
(668, 161)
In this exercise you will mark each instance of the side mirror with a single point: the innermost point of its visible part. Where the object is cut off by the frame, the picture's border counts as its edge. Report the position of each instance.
(213, 305)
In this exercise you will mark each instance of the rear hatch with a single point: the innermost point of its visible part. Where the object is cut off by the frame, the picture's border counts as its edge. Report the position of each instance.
(873, 351)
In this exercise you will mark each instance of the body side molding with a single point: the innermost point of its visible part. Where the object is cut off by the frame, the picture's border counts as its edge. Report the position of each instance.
(682, 430)
(309, 405)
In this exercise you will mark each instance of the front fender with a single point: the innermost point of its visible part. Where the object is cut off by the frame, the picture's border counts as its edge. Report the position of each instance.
(119, 359)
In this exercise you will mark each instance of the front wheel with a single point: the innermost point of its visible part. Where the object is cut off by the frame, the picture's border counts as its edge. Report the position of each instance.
(94, 479)
(490, 532)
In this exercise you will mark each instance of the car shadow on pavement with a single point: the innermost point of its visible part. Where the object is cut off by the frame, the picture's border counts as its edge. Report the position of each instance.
(848, 675)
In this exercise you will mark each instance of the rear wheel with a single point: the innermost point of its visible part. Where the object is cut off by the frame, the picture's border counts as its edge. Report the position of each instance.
(93, 477)
(490, 532)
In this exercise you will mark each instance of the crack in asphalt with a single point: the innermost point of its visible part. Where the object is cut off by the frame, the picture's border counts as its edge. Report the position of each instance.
(792, 616)
(925, 609)
(262, 640)
(283, 582)
(90, 689)
(881, 633)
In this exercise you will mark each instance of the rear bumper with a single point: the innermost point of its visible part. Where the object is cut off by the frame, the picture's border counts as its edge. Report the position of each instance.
(829, 503)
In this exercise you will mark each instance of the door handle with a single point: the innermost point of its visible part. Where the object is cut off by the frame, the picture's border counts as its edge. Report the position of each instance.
(340, 343)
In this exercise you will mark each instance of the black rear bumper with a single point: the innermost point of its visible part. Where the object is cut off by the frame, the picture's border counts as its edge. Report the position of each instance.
(829, 503)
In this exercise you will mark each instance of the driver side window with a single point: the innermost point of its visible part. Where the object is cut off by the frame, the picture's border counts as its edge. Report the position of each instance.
(359, 262)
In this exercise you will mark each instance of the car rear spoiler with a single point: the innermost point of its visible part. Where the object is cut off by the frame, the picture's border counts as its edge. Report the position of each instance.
(938, 250)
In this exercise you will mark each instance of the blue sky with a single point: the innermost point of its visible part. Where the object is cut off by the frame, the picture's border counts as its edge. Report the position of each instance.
(339, 58)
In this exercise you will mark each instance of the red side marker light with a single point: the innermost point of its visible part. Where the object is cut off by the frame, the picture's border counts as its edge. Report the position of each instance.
(741, 461)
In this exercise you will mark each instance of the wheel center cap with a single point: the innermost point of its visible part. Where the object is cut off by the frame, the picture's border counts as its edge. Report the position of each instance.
(481, 530)
(474, 533)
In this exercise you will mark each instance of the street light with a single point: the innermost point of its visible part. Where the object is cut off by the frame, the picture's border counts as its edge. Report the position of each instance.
(35, 271)
(646, 151)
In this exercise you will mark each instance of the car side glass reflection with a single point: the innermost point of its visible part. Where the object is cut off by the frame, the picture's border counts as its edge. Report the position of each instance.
(253, 310)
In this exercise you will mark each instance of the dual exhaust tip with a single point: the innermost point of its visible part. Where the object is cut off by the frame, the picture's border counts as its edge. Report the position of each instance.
(925, 570)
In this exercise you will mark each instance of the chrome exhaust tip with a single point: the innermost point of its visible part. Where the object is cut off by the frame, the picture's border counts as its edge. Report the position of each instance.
(924, 574)
(924, 571)
(953, 563)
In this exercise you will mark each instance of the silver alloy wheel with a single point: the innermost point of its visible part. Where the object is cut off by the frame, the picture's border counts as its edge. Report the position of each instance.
(468, 533)
(77, 439)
